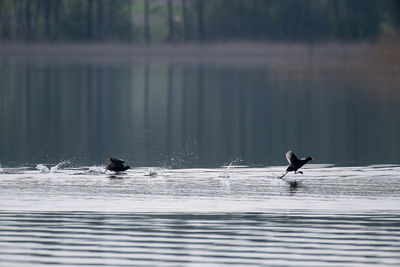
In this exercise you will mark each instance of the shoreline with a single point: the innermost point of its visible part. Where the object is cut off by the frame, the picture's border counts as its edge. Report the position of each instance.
(360, 57)
(223, 48)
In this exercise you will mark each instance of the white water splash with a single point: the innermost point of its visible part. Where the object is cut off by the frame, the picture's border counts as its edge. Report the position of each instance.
(225, 172)
(1, 169)
(96, 170)
(151, 172)
(59, 166)
(42, 168)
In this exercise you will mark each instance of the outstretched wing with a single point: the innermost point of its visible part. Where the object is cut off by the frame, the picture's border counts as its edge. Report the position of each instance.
(116, 161)
(291, 157)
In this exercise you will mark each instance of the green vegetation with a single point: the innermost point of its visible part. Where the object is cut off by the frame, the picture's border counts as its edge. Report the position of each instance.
(157, 21)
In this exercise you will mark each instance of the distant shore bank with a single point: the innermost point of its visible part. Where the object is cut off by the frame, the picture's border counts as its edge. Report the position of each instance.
(225, 48)
(359, 57)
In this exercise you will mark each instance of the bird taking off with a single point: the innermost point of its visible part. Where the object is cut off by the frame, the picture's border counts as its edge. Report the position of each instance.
(117, 165)
(295, 163)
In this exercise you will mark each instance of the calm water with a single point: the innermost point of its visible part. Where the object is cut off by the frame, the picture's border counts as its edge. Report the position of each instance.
(181, 120)
(192, 113)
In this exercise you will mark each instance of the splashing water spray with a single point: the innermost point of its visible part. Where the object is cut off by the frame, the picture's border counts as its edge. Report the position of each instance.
(225, 172)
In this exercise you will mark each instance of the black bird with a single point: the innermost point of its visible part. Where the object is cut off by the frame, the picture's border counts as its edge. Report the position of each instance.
(117, 165)
(295, 163)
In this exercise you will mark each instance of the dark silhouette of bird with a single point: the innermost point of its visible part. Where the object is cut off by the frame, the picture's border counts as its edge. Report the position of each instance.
(295, 163)
(117, 165)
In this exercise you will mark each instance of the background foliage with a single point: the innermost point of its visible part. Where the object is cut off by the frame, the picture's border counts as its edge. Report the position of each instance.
(146, 21)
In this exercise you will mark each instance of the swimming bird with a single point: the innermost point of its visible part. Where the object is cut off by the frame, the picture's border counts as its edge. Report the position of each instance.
(295, 163)
(117, 165)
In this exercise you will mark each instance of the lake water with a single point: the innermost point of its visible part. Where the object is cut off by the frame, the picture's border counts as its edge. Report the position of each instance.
(195, 112)
(206, 138)
(243, 216)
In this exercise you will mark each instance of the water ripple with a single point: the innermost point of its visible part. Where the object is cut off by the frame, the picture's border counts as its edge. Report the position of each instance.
(121, 239)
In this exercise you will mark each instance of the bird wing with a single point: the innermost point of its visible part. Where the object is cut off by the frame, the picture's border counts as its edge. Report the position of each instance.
(116, 161)
(291, 157)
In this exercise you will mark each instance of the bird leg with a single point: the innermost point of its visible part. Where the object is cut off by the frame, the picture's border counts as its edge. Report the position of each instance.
(283, 175)
(298, 172)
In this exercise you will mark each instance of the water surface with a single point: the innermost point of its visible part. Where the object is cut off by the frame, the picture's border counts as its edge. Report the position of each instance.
(244, 216)
(61, 116)
(162, 111)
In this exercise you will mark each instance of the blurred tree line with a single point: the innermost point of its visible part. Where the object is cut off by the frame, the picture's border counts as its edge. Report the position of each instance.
(146, 21)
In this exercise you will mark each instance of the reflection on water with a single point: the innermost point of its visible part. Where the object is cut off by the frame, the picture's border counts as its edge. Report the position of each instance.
(81, 216)
(191, 114)
(59, 114)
